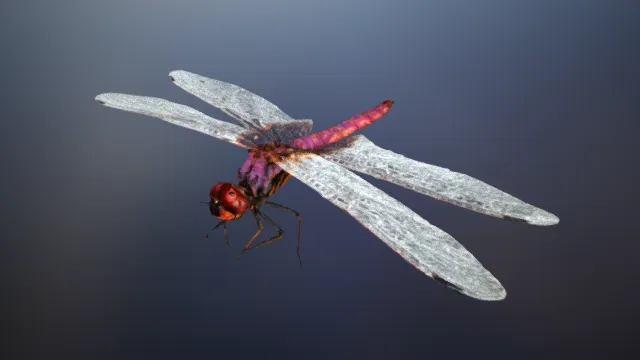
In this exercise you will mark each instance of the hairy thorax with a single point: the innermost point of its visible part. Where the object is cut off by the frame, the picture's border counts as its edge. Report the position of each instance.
(260, 176)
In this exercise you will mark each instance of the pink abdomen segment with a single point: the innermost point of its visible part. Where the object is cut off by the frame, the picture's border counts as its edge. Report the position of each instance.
(338, 132)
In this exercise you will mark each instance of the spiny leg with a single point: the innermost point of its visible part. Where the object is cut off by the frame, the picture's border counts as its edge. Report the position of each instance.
(275, 226)
(246, 247)
(224, 226)
(269, 240)
(297, 214)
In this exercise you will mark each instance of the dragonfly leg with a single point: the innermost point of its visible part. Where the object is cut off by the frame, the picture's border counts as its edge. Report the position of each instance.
(260, 227)
(269, 240)
(224, 226)
(297, 214)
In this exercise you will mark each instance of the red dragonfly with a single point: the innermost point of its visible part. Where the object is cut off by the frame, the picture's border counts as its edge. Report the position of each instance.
(280, 146)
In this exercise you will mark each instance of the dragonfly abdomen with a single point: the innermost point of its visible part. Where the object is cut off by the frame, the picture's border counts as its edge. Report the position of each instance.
(338, 132)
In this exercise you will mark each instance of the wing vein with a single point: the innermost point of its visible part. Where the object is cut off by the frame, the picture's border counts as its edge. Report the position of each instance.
(462, 190)
(426, 247)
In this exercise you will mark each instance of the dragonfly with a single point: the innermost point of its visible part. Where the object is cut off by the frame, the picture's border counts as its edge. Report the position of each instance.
(280, 146)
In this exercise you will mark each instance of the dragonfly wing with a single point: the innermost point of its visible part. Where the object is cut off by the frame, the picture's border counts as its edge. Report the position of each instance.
(364, 156)
(251, 110)
(180, 115)
(423, 245)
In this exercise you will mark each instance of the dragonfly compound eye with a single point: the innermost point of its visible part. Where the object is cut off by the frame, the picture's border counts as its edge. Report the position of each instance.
(229, 201)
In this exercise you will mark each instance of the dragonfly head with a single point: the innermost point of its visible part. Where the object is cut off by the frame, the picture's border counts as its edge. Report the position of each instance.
(227, 201)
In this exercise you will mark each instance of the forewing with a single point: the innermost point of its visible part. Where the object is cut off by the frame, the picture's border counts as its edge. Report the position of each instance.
(180, 115)
(362, 155)
(423, 245)
(251, 110)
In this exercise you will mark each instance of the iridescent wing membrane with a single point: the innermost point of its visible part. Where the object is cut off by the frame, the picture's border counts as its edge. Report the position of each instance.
(426, 247)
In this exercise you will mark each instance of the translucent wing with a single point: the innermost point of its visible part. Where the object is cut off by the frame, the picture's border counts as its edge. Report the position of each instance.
(180, 115)
(423, 245)
(251, 110)
(362, 155)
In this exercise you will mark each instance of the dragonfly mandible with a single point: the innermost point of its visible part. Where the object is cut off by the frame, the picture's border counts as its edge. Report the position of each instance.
(280, 146)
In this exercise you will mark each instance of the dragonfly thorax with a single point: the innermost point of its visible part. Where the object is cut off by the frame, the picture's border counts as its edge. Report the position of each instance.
(260, 175)
(228, 202)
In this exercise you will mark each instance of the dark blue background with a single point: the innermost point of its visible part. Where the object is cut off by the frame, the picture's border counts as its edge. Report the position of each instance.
(103, 234)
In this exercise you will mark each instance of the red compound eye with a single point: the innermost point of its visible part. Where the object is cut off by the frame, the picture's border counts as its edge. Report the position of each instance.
(229, 198)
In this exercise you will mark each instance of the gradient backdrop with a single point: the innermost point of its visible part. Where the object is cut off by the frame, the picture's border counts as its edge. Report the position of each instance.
(104, 235)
